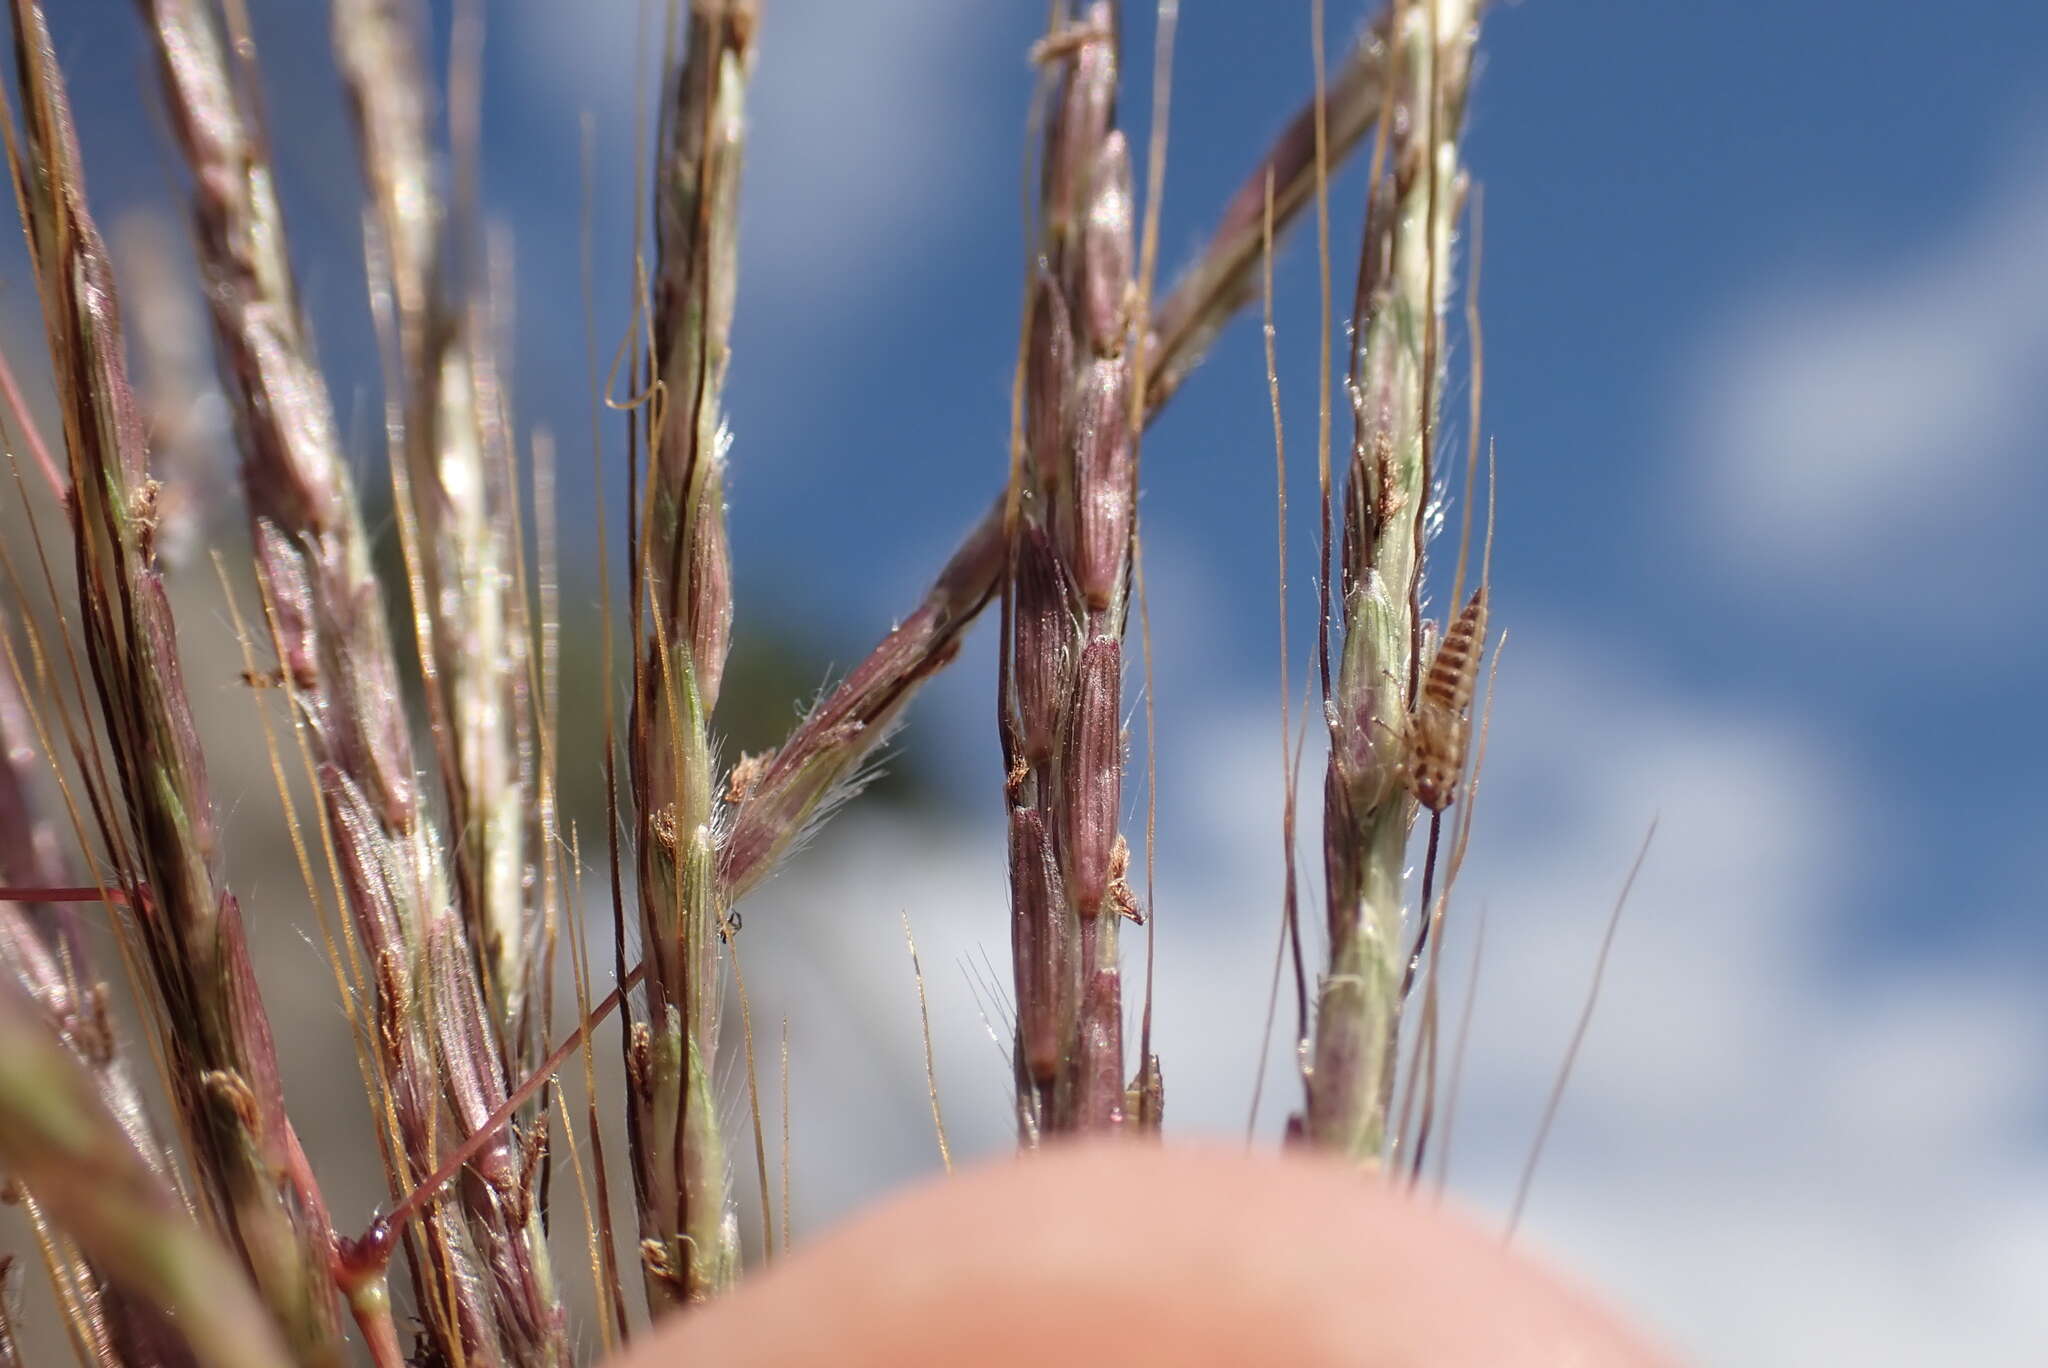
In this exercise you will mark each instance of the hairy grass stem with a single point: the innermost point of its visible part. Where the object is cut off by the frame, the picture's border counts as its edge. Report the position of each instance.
(1369, 808)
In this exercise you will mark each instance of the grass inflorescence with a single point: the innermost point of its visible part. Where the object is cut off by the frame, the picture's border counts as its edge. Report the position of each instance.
(421, 708)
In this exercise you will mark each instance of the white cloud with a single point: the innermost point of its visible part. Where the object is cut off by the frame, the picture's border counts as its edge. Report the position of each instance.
(1766, 1158)
(1775, 1159)
(1874, 422)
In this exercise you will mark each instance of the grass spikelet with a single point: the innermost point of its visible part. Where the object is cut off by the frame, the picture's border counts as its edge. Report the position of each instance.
(314, 562)
(224, 1075)
(1368, 810)
(682, 597)
(1074, 518)
(452, 468)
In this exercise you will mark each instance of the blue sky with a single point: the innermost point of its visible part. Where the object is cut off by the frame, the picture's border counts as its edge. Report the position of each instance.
(1765, 311)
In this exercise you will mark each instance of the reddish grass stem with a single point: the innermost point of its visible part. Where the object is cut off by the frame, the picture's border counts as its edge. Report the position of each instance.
(113, 897)
(60, 488)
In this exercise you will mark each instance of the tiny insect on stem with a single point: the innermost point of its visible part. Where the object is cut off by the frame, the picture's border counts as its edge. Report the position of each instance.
(1439, 724)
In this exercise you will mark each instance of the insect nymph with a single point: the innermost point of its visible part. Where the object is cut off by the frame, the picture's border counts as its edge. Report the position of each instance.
(1439, 728)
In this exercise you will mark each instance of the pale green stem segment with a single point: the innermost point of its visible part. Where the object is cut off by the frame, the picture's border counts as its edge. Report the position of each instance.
(1369, 812)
